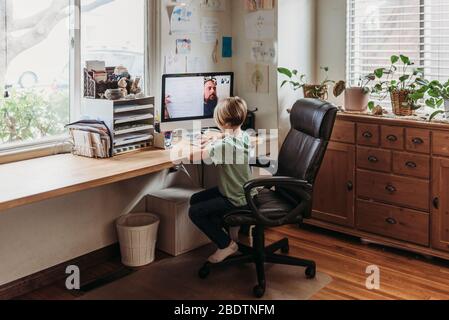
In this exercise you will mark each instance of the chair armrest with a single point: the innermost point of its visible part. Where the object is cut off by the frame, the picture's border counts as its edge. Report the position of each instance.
(263, 162)
(304, 190)
(277, 182)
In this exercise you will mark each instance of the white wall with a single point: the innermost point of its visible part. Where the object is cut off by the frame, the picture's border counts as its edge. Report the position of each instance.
(331, 41)
(296, 36)
(167, 42)
(39, 236)
(232, 23)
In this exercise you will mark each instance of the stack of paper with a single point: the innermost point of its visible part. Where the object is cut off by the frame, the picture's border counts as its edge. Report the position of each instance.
(91, 139)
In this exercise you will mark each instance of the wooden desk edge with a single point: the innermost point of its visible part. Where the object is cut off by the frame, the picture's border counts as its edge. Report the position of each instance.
(18, 202)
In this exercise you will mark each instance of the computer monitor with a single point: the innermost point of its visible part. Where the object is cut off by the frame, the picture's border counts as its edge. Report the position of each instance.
(189, 97)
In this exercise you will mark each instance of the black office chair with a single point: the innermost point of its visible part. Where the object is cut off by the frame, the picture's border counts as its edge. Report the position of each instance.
(286, 198)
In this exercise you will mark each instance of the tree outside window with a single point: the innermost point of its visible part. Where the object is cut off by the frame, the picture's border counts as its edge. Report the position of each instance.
(35, 66)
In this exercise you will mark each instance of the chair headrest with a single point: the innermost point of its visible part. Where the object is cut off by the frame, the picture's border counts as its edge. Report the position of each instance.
(313, 117)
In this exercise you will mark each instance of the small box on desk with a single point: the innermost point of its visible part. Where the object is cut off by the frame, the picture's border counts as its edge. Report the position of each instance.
(177, 234)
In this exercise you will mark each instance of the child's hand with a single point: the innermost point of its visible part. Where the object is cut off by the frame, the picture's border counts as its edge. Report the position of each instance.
(205, 140)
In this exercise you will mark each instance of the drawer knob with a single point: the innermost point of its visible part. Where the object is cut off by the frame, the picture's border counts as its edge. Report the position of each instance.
(436, 203)
(392, 138)
(350, 186)
(417, 141)
(367, 135)
(391, 221)
(390, 188)
(373, 159)
(411, 165)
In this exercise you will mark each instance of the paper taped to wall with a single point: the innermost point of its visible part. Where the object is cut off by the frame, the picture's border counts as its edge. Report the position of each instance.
(260, 25)
(175, 64)
(183, 19)
(263, 51)
(213, 5)
(209, 29)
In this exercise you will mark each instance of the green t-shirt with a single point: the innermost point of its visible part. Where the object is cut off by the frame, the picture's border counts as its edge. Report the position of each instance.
(231, 155)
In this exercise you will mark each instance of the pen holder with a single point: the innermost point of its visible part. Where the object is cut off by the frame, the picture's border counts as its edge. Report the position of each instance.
(163, 140)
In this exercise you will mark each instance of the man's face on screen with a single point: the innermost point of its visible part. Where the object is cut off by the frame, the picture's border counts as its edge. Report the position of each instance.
(210, 91)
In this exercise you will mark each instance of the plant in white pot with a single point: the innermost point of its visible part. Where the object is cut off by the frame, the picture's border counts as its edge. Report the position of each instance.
(438, 97)
(357, 97)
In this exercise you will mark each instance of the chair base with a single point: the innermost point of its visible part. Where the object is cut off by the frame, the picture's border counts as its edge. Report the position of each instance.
(259, 255)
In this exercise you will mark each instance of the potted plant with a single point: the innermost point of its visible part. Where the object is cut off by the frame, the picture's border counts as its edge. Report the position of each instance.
(357, 97)
(297, 81)
(404, 86)
(437, 97)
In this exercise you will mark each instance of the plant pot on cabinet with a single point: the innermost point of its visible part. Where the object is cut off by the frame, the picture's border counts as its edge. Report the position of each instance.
(356, 99)
(446, 109)
(315, 91)
(400, 103)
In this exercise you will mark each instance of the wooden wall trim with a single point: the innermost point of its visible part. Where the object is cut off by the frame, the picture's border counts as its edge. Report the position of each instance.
(49, 276)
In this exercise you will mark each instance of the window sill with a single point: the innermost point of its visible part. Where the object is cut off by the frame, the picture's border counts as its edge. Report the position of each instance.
(33, 152)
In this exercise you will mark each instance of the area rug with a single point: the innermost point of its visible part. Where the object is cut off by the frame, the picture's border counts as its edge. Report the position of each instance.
(177, 279)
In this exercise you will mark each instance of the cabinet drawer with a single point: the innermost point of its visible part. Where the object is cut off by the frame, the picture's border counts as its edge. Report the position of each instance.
(393, 222)
(440, 143)
(374, 159)
(417, 140)
(392, 137)
(344, 131)
(410, 164)
(368, 134)
(401, 191)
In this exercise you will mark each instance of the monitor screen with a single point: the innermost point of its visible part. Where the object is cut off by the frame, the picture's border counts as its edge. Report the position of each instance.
(194, 96)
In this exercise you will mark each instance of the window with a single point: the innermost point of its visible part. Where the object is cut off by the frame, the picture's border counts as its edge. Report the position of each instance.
(115, 33)
(416, 28)
(39, 60)
(34, 69)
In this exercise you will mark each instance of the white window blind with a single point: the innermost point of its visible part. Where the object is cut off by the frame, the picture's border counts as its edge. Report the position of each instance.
(378, 29)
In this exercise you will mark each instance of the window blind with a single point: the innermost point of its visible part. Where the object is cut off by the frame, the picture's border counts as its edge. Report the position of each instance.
(381, 28)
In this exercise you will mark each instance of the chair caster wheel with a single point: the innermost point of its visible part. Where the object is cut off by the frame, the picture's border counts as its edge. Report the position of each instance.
(259, 291)
(204, 272)
(311, 272)
(285, 250)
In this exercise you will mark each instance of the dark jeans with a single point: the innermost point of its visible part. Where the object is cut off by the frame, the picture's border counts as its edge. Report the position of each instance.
(207, 210)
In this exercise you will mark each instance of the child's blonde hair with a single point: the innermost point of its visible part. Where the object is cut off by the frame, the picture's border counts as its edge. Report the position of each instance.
(231, 112)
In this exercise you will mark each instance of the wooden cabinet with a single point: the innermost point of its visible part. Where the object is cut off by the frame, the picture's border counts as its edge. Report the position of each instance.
(440, 204)
(368, 134)
(417, 140)
(387, 188)
(394, 222)
(387, 180)
(344, 131)
(334, 189)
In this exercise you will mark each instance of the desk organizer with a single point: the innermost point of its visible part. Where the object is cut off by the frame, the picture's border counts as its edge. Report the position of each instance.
(131, 121)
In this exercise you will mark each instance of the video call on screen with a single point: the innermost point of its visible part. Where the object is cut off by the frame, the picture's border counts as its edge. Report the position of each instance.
(195, 97)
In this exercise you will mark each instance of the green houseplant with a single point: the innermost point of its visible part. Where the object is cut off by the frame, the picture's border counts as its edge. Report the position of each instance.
(298, 81)
(403, 83)
(437, 96)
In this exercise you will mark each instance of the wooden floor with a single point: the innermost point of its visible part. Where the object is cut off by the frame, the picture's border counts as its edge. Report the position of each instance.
(345, 259)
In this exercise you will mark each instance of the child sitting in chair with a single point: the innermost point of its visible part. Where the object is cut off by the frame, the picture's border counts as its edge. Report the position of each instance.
(231, 154)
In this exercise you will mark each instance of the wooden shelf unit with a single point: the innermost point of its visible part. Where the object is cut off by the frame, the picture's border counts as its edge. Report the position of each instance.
(131, 121)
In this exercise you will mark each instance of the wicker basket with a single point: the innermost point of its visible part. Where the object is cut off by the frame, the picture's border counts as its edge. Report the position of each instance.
(315, 91)
(400, 104)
